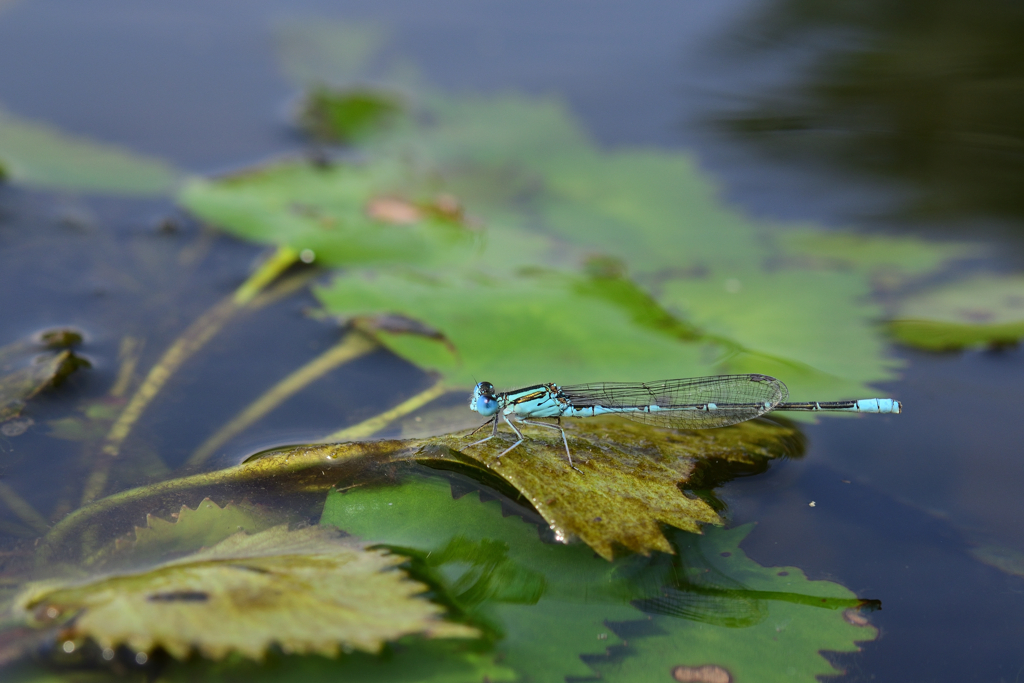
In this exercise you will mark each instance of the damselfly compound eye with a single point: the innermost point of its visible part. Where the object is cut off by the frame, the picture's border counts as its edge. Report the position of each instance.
(486, 405)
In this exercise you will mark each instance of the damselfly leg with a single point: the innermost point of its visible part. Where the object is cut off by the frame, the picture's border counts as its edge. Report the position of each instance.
(521, 438)
(565, 441)
(493, 419)
(494, 432)
(518, 433)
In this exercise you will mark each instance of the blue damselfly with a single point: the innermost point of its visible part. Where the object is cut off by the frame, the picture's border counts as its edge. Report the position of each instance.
(695, 403)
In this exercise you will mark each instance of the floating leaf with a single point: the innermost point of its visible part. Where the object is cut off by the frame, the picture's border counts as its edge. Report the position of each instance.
(693, 286)
(334, 115)
(535, 326)
(986, 310)
(324, 210)
(546, 602)
(883, 256)
(630, 474)
(552, 200)
(306, 591)
(39, 155)
(629, 478)
(745, 622)
(838, 349)
(933, 335)
(725, 608)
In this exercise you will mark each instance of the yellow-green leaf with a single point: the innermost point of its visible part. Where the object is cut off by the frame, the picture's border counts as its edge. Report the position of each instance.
(307, 591)
(191, 530)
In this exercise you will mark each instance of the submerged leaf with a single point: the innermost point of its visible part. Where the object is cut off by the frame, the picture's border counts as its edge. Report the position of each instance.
(39, 155)
(22, 384)
(987, 310)
(192, 530)
(306, 591)
(733, 618)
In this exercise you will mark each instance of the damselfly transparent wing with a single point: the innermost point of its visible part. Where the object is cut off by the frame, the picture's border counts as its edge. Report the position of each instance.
(695, 403)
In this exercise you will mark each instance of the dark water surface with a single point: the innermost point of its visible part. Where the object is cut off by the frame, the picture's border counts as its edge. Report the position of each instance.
(899, 502)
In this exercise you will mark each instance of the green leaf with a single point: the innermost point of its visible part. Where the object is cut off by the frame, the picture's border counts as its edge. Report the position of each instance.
(548, 602)
(728, 611)
(39, 155)
(306, 591)
(726, 618)
(534, 326)
(814, 329)
(986, 310)
(737, 295)
(590, 265)
(335, 115)
(328, 212)
(412, 662)
(656, 210)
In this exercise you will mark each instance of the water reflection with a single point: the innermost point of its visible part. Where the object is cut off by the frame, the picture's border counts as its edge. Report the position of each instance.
(930, 93)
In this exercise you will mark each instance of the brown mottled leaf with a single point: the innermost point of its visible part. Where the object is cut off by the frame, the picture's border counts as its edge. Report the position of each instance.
(629, 479)
(308, 591)
(392, 210)
(629, 485)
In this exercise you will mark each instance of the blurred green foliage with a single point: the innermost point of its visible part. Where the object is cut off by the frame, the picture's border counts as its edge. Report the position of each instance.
(41, 156)
(344, 116)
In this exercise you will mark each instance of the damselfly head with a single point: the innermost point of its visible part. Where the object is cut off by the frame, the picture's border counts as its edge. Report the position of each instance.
(483, 399)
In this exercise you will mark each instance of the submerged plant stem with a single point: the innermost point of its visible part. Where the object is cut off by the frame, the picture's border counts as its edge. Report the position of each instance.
(354, 345)
(193, 339)
(375, 424)
(23, 509)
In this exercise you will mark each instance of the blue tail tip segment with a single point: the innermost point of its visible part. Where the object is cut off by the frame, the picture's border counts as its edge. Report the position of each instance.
(879, 405)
